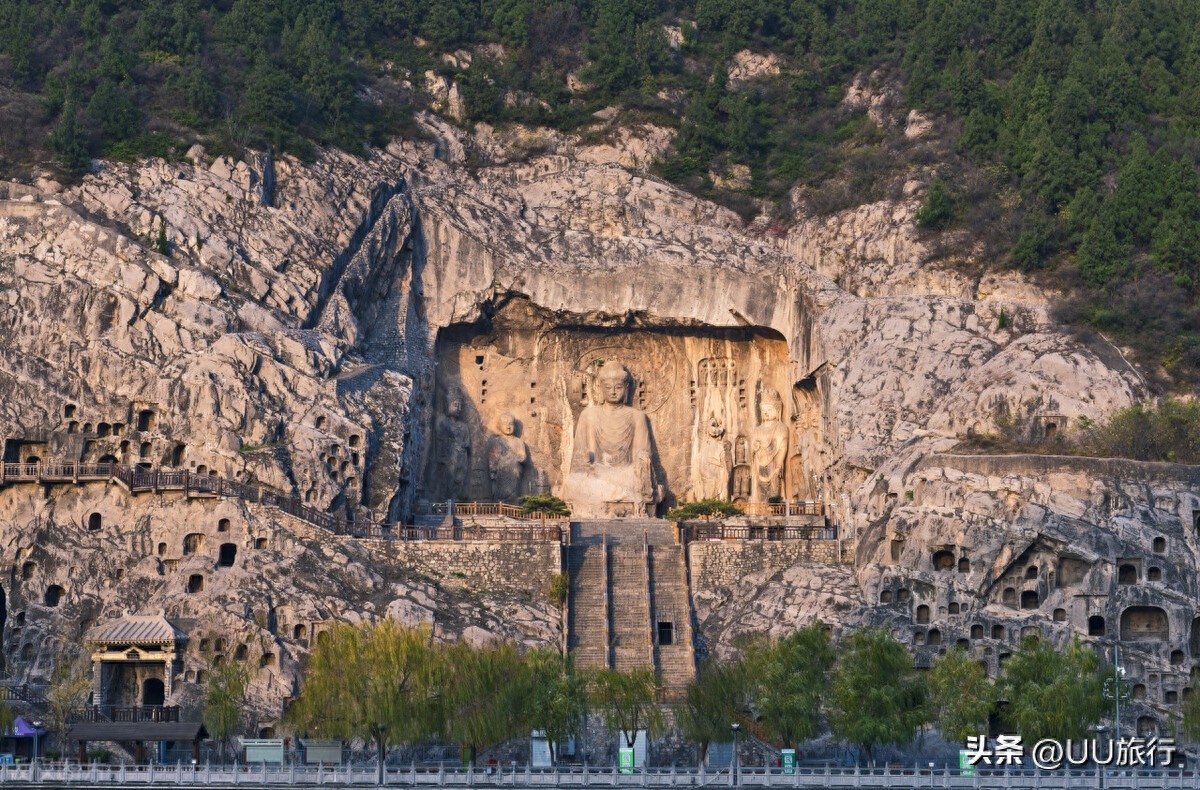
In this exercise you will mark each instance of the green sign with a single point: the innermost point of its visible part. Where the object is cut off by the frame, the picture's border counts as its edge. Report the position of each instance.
(625, 760)
(964, 764)
(789, 761)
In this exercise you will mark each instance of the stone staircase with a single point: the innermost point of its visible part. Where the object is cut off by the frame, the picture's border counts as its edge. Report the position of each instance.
(676, 662)
(630, 607)
(587, 623)
(627, 576)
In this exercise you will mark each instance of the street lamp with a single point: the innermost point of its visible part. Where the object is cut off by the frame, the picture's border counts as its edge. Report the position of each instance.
(733, 763)
(37, 725)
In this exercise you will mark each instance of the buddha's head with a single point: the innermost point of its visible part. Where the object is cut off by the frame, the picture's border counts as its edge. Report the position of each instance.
(613, 381)
(508, 424)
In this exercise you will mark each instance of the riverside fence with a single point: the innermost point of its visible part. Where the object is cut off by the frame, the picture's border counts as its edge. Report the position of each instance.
(827, 777)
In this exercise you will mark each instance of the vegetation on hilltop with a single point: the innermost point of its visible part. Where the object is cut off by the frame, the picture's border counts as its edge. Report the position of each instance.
(1065, 138)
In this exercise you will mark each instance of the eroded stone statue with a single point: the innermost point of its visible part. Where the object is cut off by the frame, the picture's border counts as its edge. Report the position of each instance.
(508, 457)
(453, 447)
(741, 470)
(712, 465)
(611, 465)
(768, 448)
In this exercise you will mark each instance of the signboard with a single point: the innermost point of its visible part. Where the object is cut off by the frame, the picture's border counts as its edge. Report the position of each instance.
(322, 752)
(262, 750)
(788, 761)
(964, 763)
(625, 760)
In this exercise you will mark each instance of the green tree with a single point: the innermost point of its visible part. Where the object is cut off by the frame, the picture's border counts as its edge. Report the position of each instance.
(1051, 694)
(628, 701)
(7, 717)
(1191, 715)
(224, 709)
(790, 678)
(68, 691)
(960, 695)
(715, 699)
(557, 702)
(380, 683)
(876, 696)
(68, 140)
(938, 209)
(482, 689)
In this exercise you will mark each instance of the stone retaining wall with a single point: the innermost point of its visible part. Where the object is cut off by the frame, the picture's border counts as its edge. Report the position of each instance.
(516, 568)
(722, 564)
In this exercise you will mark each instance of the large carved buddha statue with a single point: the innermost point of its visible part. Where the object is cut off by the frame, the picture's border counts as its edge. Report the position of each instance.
(611, 465)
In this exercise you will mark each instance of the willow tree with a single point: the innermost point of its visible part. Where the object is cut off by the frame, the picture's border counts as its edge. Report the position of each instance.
(960, 695)
(629, 702)
(557, 701)
(1052, 694)
(224, 712)
(790, 676)
(484, 694)
(714, 700)
(876, 695)
(68, 691)
(378, 683)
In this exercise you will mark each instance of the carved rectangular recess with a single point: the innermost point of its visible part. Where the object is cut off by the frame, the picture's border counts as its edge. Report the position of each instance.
(683, 377)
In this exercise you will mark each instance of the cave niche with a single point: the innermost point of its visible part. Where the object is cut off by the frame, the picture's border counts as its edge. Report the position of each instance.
(701, 389)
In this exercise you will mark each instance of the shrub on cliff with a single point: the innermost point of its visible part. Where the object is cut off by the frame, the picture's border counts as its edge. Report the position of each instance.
(704, 507)
(544, 503)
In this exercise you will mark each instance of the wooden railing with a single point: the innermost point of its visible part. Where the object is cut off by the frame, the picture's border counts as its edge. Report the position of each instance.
(23, 692)
(126, 713)
(138, 480)
(498, 509)
(717, 530)
(807, 508)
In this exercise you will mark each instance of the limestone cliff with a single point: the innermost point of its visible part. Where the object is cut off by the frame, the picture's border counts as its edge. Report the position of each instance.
(303, 326)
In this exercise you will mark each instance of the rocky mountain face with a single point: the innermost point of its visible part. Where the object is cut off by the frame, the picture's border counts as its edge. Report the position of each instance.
(304, 325)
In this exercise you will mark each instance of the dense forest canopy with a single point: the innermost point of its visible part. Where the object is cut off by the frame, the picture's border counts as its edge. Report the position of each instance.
(1067, 130)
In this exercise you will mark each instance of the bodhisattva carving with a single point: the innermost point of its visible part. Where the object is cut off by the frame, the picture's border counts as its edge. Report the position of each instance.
(508, 456)
(713, 461)
(741, 470)
(610, 467)
(769, 444)
(453, 447)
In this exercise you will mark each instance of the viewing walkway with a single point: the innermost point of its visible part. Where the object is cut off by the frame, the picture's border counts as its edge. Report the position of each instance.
(138, 480)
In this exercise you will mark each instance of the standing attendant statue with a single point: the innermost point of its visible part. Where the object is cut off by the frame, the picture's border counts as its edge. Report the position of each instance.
(453, 448)
(713, 461)
(768, 448)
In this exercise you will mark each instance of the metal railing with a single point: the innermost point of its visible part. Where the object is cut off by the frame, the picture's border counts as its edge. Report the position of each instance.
(523, 776)
(517, 534)
(717, 530)
(650, 617)
(139, 480)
